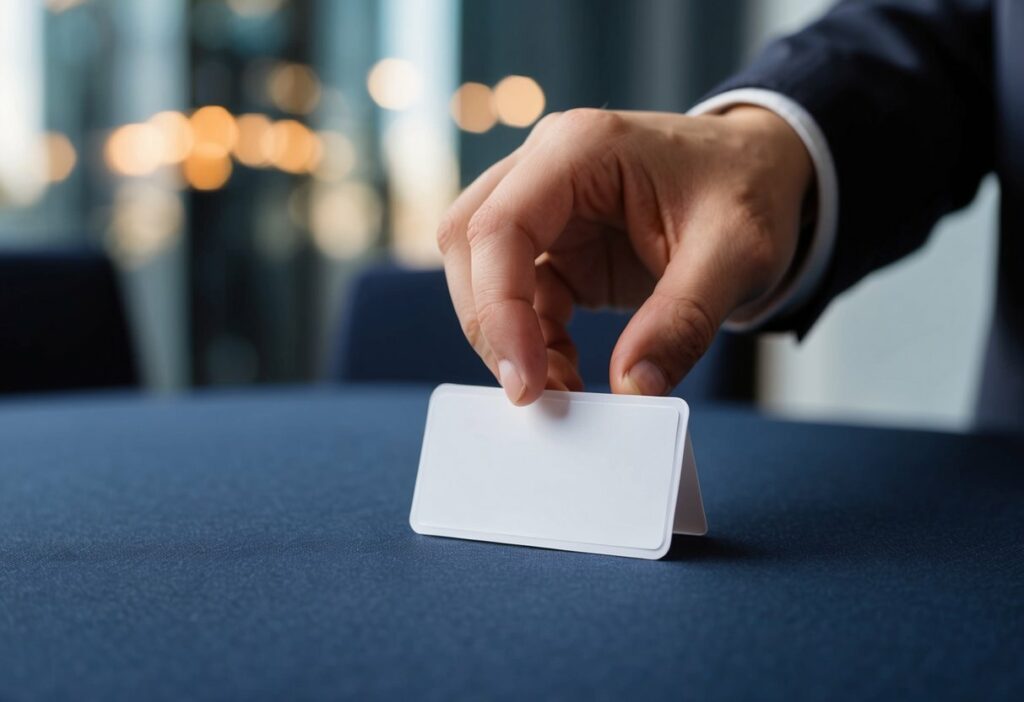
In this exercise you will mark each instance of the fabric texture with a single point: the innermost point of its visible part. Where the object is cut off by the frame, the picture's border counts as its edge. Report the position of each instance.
(257, 546)
(903, 91)
(918, 100)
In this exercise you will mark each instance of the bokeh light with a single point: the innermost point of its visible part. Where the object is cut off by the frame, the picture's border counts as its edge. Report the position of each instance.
(344, 219)
(251, 147)
(294, 88)
(146, 220)
(338, 158)
(207, 167)
(60, 156)
(519, 101)
(394, 84)
(134, 149)
(213, 127)
(292, 147)
(472, 107)
(175, 134)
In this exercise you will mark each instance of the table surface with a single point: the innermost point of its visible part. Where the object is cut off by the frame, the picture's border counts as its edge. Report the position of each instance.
(256, 545)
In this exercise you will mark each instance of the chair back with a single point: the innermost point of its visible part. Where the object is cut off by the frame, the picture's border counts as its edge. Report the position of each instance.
(398, 325)
(62, 323)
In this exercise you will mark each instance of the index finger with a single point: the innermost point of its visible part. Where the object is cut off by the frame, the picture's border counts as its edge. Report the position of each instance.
(455, 251)
(520, 219)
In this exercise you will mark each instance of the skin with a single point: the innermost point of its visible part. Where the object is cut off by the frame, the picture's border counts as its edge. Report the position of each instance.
(684, 219)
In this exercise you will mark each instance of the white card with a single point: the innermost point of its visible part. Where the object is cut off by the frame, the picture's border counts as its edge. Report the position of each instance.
(577, 471)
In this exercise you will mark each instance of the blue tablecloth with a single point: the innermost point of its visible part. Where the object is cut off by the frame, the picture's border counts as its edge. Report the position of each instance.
(256, 545)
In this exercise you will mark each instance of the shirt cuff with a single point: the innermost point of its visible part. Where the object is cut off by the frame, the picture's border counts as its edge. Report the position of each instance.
(798, 285)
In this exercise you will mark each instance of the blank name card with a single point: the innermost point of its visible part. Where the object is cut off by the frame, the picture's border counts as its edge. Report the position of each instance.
(576, 471)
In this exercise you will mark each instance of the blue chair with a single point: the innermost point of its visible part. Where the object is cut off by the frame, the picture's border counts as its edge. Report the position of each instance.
(62, 324)
(399, 326)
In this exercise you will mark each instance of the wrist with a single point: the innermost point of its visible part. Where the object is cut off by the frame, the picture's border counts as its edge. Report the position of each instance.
(786, 173)
(820, 198)
(787, 150)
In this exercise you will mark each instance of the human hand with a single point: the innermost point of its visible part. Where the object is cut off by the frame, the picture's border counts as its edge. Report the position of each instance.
(685, 219)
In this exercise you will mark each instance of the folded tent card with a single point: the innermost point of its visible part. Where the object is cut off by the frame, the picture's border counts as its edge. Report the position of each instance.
(578, 471)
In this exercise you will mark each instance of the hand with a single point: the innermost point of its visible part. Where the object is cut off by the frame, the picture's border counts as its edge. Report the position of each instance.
(685, 219)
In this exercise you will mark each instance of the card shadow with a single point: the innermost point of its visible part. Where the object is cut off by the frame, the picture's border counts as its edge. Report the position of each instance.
(706, 549)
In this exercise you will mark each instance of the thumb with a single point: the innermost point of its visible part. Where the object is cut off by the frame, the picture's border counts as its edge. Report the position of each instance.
(671, 330)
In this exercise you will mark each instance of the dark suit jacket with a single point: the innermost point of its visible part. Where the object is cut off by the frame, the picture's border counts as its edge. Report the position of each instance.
(919, 99)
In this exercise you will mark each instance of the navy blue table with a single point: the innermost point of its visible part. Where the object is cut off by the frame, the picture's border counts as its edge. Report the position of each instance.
(256, 546)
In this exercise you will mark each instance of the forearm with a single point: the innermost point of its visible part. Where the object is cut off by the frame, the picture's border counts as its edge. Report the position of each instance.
(900, 91)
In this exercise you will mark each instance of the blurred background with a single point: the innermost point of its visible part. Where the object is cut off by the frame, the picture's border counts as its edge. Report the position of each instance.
(243, 163)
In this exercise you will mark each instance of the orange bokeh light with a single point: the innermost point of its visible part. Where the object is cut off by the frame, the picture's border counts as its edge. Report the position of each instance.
(294, 88)
(213, 127)
(176, 134)
(292, 146)
(60, 157)
(251, 146)
(519, 101)
(472, 107)
(207, 167)
(134, 149)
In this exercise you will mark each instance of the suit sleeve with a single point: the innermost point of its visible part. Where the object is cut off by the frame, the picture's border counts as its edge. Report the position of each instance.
(903, 93)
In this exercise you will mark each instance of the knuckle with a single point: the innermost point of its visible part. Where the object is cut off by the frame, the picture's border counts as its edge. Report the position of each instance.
(487, 314)
(484, 221)
(447, 233)
(546, 122)
(579, 117)
(545, 126)
(489, 220)
(591, 120)
(471, 330)
(692, 330)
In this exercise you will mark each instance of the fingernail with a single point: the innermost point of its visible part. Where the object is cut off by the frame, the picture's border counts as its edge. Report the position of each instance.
(645, 378)
(513, 383)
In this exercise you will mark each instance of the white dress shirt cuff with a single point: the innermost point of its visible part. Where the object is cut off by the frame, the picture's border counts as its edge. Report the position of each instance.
(797, 286)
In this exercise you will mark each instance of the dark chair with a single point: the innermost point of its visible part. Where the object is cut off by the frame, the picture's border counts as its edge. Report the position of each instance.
(398, 325)
(62, 324)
